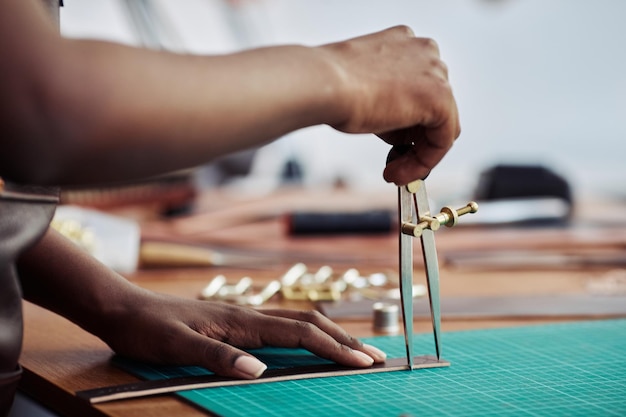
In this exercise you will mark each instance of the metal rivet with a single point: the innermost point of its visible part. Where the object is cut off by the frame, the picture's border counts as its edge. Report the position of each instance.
(385, 317)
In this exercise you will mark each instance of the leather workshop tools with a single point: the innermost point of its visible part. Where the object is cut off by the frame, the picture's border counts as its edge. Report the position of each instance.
(300, 284)
(117, 242)
(416, 220)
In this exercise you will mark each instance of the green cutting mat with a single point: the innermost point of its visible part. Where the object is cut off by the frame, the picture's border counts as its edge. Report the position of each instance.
(573, 369)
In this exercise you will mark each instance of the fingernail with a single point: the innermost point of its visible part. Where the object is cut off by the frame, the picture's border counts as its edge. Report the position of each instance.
(374, 352)
(364, 358)
(250, 365)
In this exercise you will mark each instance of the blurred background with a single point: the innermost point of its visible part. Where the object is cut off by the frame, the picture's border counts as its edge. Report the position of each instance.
(537, 83)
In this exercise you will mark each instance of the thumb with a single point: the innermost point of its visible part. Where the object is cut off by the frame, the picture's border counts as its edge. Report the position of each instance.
(219, 357)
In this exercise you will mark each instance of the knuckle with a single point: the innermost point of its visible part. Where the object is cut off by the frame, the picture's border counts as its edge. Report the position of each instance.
(339, 351)
(304, 329)
(429, 44)
(405, 30)
(312, 316)
(439, 92)
(444, 89)
(169, 343)
(442, 67)
(218, 350)
(218, 353)
(344, 348)
(353, 342)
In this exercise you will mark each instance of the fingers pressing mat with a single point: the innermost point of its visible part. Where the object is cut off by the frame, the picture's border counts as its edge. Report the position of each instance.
(545, 370)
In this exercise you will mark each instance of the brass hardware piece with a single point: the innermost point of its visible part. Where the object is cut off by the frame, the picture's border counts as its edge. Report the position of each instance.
(293, 274)
(329, 291)
(298, 284)
(218, 289)
(448, 217)
(412, 187)
(261, 297)
(228, 292)
(314, 287)
(213, 287)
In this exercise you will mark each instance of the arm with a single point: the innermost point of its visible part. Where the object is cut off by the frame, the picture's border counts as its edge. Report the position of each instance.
(59, 276)
(102, 112)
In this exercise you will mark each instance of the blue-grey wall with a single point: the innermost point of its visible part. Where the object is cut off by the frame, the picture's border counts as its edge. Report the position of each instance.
(536, 81)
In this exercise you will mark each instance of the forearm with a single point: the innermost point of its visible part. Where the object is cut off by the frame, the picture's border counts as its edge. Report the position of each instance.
(145, 112)
(100, 111)
(87, 112)
(61, 277)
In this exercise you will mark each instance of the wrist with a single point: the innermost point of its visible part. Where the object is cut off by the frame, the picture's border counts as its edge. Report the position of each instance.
(336, 86)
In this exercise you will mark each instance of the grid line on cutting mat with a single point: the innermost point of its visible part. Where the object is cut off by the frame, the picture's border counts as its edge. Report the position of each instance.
(574, 369)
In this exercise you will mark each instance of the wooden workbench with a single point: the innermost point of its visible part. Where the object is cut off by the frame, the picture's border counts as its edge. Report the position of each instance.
(59, 358)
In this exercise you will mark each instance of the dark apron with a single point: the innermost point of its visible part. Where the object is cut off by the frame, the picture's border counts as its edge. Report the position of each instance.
(25, 213)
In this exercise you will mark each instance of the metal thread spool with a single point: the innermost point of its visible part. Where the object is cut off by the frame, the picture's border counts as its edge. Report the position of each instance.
(385, 317)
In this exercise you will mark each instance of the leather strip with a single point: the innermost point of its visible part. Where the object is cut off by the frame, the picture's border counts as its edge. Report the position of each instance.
(164, 386)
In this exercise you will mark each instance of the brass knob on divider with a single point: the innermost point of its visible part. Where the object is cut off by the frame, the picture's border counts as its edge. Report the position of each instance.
(448, 217)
